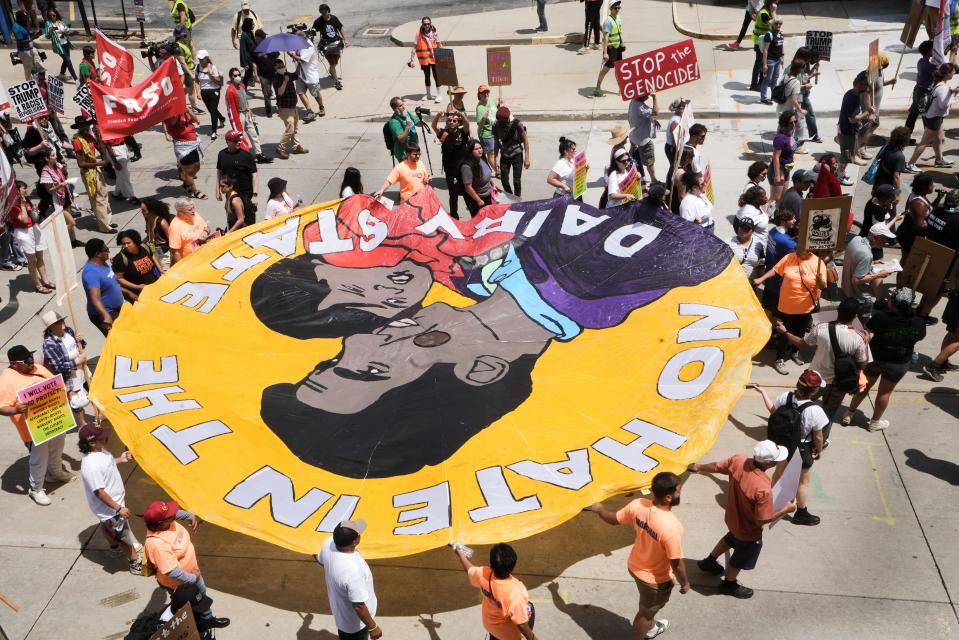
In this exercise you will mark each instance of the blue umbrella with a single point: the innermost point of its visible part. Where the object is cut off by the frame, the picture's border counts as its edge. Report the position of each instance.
(282, 42)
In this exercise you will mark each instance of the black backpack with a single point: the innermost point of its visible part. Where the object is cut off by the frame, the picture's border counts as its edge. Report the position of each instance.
(846, 376)
(779, 91)
(388, 136)
(785, 424)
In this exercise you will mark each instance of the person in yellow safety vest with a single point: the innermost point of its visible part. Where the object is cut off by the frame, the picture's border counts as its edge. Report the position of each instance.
(762, 26)
(180, 14)
(613, 46)
(427, 39)
(183, 52)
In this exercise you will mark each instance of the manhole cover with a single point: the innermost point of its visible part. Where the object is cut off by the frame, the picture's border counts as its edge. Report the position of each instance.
(376, 31)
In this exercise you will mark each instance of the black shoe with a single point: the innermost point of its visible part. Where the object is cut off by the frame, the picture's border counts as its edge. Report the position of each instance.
(76, 244)
(217, 623)
(734, 589)
(929, 320)
(134, 201)
(765, 101)
(754, 87)
(116, 196)
(806, 518)
(815, 139)
(338, 85)
(710, 565)
(948, 366)
(136, 157)
(262, 159)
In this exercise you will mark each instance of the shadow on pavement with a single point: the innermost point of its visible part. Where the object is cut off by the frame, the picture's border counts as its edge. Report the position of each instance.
(14, 479)
(755, 433)
(596, 622)
(306, 633)
(945, 470)
(946, 398)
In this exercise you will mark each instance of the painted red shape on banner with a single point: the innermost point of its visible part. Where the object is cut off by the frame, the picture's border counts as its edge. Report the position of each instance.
(116, 63)
(124, 112)
(657, 70)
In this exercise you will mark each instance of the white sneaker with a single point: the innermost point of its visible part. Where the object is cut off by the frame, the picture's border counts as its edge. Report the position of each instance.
(39, 496)
(60, 476)
(439, 97)
(659, 628)
(801, 150)
(878, 425)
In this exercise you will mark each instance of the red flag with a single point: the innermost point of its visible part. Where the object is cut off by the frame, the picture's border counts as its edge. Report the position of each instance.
(124, 112)
(116, 63)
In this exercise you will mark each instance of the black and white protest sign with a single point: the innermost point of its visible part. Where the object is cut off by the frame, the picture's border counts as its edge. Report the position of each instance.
(55, 93)
(83, 99)
(820, 42)
(27, 100)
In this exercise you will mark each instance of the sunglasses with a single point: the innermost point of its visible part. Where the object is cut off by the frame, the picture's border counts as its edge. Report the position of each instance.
(623, 159)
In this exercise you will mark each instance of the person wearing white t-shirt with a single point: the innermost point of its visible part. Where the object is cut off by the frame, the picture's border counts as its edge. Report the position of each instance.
(616, 176)
(695, 206)
(308, 79)
(560, 176)
(811, 442)
(280, 202)
(103, 488)
(349, 583)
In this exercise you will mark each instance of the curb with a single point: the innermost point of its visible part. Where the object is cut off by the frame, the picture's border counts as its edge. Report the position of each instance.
(569, 38)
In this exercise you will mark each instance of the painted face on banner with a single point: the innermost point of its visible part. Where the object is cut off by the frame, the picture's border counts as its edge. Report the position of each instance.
(480, 379)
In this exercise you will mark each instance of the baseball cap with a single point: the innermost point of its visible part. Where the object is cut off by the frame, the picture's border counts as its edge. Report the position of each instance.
(18, 353)
(483, 89)
(502, 113)
(158, 511)
(769, 451)
(91, 431)
(880, 229)
(348, 531)
(745, 223)
(233, 135)
(886, 190)
(51, 317)
(202, 54)
(811, 379)
(276, 185)
(615, 4)
(803, 175)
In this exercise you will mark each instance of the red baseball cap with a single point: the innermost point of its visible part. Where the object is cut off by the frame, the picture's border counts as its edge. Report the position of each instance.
(158, 511)
(233, 135)
(811, 379)
(91, 431)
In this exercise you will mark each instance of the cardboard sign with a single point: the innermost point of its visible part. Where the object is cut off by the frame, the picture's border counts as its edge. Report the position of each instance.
(927, 266)
(820, 42)
(499, 67)
(657, 70)
(579, 174)
(83, 99)
(48, 410)
(55, 93)
(27, 100)
(124, 112)
(182, 626)
(445, 68)
(873, 61)
(913, 24)
(4, 100)
(823, 223)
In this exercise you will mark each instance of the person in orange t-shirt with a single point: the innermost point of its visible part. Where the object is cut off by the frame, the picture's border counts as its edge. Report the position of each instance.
(657, 552)
(507, 612)
(46, 457)
(804, 276)
(411, 174)
(169, 548)
(749, 508)
(188, 230)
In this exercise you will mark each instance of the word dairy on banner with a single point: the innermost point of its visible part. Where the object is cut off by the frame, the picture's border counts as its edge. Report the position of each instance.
(657, 70)
(579, 174)
(27, 100)
(55, 93)
(116, 63)
(124, 112)
(48, 410)
(83, 99)
(820, 42)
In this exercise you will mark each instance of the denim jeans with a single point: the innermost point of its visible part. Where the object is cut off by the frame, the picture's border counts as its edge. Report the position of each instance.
(770, 79)
(811, 127)
(10, 252)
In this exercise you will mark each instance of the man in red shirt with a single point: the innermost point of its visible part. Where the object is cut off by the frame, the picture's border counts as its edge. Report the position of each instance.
(657, 553)
(749, 508)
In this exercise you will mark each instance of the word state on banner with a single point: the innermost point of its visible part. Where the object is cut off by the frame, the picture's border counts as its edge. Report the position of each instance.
(48, 409)
(657, 70)
(499, 67)
(83, 99)
(27, 100)
(126, 111)
(55, 93)
(821, 43)
(580, 167)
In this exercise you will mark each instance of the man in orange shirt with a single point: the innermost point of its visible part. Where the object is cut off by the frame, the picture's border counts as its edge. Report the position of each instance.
(411, 174)
(749, 508)
(188, 230)
(45, 458)
(657, 552)
(507, 611)
(170, 550)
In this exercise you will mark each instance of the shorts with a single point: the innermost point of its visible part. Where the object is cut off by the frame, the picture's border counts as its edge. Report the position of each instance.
(362, 634)
(892, 371)
(191, 158)
(773, 183)
(950, 316)
(31, 240)
(652, 596)
(847, 147)
(615, 54)
(303, 87)
(332, 51)
(124, 535)
(489, 144)
(933, 124)
(745, 552)
(645, 154)
(805, 452)
(188, 81)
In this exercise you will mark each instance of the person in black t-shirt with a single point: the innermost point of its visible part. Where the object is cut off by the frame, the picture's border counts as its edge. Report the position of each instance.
(240, 166)
(332, 40)
(942, 227)
(135, 265)
(509, 138)
(454, 141)
(239, 212)
(882, 204)
(892, 162)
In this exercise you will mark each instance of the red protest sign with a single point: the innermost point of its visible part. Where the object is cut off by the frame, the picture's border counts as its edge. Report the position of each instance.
(124, 112)
(657, 70)
(116, 63)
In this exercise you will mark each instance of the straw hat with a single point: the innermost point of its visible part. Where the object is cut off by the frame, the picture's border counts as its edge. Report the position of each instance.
(51, 317)
(617, 134)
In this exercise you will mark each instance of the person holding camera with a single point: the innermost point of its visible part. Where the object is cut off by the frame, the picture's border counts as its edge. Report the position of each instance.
(308, 77)
(284, 84)
(454, 138)
(29, 57)
(402, 125)
(411, 174)
(332, 40)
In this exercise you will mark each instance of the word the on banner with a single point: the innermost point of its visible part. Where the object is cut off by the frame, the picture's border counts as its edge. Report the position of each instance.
(823, 223)
(580, 168)
(27, 100)
(182, 626)
(124, 112)
(83, 99)
(116, 63)
(820, 42)
(445, 68)
(657, 70)
(499, 67)
(48, 410)
(55, 93)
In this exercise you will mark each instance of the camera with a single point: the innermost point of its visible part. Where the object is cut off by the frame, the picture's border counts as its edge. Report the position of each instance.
(299, 26)
(15, 57)
(153, 48)
(422, 111)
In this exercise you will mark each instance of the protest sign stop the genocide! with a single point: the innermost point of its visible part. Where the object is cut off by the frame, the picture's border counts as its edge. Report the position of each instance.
(657, 70)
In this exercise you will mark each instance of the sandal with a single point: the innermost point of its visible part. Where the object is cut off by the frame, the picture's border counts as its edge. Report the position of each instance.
(42, 289)
(199, 195)
(49, 285)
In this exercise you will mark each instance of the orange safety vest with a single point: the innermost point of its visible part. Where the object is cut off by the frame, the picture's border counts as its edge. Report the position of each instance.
(424, 50)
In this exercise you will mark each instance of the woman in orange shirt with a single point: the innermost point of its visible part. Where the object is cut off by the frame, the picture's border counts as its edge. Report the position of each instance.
(804, 276)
